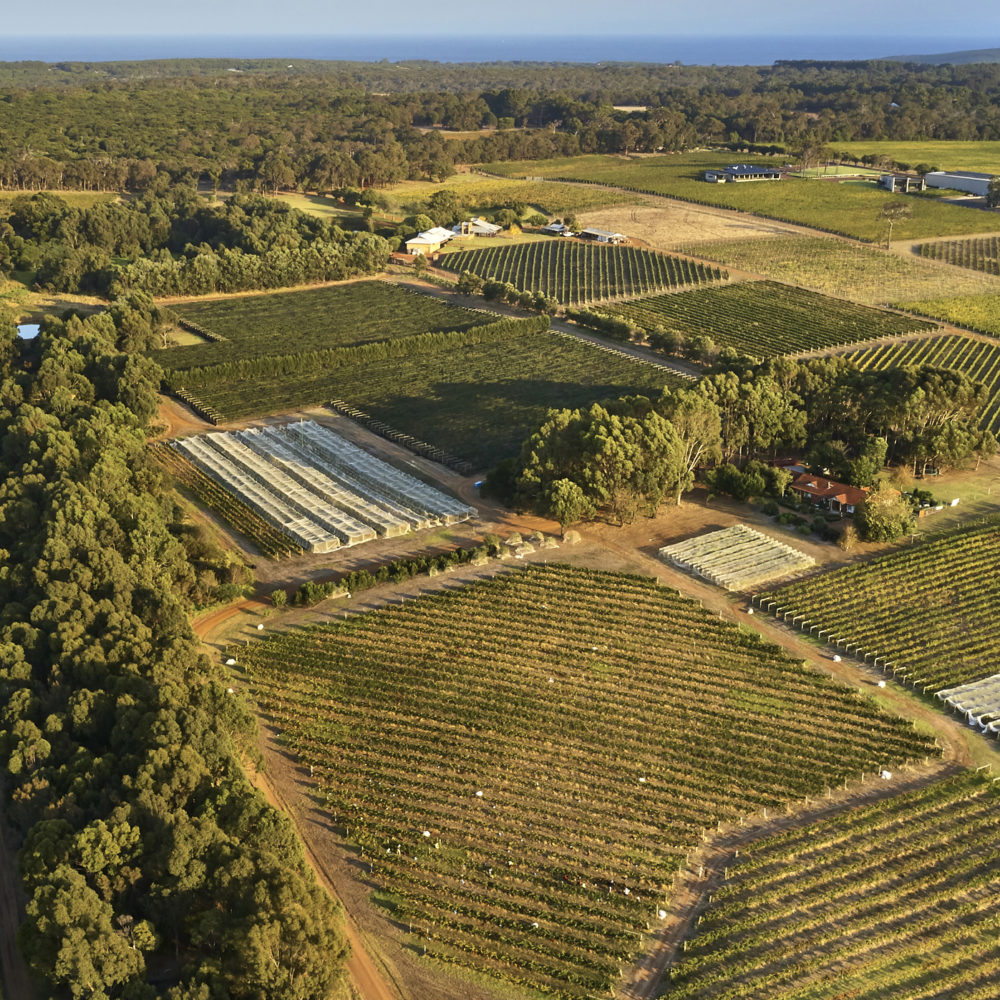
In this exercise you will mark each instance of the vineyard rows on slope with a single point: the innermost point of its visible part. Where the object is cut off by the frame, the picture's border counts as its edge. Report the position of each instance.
(478, 404)
(282, 323)
(900, 900)
(837, 267)
(763, 318)
(978, 359)
(979, 254)
(549, 745)
(572, 272)
(928, 612)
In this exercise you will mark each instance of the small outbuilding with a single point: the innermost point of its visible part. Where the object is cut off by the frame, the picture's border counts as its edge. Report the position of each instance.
(901, 183)
(558, 229)
(603, 236)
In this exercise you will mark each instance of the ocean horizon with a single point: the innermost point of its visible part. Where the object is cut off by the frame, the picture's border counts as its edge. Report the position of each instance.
(742, 50)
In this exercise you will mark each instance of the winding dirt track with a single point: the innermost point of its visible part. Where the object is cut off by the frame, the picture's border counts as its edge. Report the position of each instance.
(13, 969)
(366, 980)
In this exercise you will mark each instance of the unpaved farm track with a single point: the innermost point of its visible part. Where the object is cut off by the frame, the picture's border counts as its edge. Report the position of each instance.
(606, 548)
(706, 867)
(14, 974)
(366, 981)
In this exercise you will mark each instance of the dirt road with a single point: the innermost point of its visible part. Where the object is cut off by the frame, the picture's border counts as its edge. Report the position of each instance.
(367, 982)
(14, 975)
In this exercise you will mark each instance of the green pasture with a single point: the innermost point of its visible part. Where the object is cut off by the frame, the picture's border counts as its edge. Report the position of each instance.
(982, 157)
(848, 209)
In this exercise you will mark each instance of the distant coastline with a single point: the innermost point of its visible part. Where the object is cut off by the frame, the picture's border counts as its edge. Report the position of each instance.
(691, 50)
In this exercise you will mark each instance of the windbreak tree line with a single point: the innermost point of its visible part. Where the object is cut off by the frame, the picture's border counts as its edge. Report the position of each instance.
(327, 125)
(175, 243)
(150, 866)
(618, 457)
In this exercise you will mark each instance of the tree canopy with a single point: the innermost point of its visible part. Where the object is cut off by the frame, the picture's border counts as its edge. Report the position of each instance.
(150, 865)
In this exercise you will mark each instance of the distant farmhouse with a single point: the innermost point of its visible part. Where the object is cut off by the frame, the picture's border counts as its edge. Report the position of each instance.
(737, 173)
(429, 242)
(476, 227)
(960, 180)
(901, 183)
(558, 229)
(603, 236)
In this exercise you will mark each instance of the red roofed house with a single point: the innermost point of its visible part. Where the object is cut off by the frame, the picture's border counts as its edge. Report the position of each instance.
(841, 498)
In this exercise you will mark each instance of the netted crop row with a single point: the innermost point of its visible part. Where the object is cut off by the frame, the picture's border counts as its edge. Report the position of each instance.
(980, 254)
(525, 762)
(979, 359)
(763, 318)
(737, 557)
(206, 491)
(901, 900)
(281, 323)
(477, 404)
(580, 272)
(928, 612)
(316, 488)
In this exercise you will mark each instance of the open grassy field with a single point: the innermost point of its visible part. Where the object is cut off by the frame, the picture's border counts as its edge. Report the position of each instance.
(478, 404)
(763, 318)
(982, 157)
(549, 744)
(282, 323)
(979, 359)
(573, 272)
(900, 900)
(845, 269)
(484, 194)
(976, 312)
(852, 210)
(929, 609)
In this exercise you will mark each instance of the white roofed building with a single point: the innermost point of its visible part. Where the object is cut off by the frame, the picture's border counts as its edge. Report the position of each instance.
(430, 241)
(476, 227)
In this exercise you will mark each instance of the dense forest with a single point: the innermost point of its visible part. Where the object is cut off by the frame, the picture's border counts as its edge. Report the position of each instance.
(259, 124)
(151, 866)
(175, 243)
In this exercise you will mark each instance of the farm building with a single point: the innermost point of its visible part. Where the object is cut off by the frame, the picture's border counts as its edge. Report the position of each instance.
(839, 497)
(430, 241)
(740, 172)
(558, 229)
(603, 236)
(960, 180)
(476, 227)
(901, 183)
(405, 259)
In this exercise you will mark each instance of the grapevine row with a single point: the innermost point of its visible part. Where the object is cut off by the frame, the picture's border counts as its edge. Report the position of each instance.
(606, 722)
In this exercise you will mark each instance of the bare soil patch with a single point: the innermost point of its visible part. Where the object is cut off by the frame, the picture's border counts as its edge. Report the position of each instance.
(661, 223)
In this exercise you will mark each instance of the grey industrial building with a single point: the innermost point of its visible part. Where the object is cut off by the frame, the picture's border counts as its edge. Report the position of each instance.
(960, 180)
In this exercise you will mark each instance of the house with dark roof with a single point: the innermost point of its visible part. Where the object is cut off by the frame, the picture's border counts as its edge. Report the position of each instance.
(737, 173)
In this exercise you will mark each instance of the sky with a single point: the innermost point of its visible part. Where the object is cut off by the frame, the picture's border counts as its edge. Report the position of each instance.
(914, 18)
